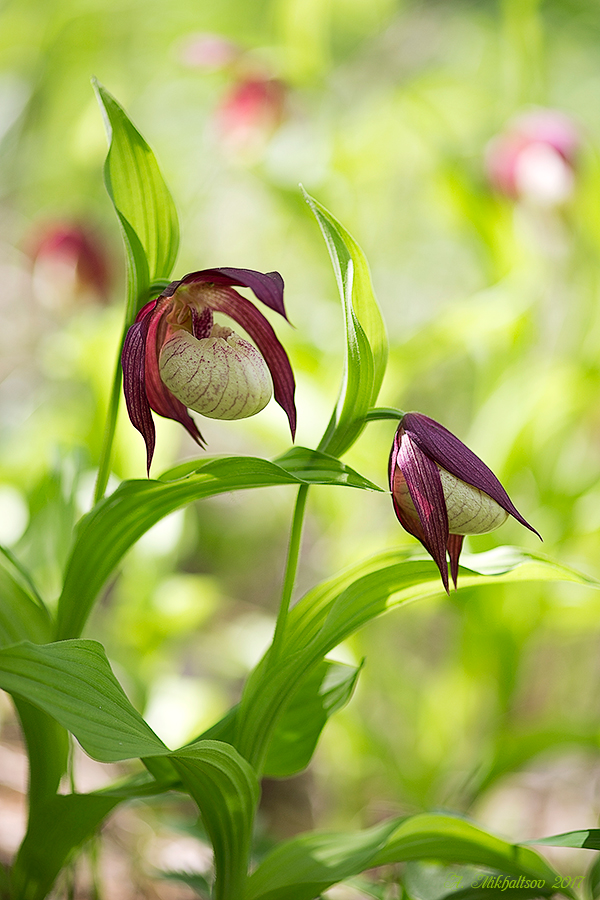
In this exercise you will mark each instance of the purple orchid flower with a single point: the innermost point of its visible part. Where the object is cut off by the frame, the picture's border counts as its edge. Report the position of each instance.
(176, 357)
(441, 491)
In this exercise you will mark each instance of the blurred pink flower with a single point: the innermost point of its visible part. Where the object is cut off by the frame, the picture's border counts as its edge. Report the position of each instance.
(251, 112)
(534, 158)
(70, 264)
(209, 51)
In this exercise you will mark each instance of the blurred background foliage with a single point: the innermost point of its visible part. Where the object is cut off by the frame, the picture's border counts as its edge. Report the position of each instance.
(388, 111)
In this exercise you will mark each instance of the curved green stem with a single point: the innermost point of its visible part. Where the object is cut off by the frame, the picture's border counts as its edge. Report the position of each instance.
(384, 412)
(109, 430)
(290, 573)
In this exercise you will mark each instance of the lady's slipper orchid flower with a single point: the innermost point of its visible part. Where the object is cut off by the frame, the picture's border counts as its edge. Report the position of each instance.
(534, 158)
(175, 357)
(441, 490)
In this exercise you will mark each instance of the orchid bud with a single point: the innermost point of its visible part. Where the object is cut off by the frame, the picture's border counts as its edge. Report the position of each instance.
(222, 376)
(442, 491)
(469, 510)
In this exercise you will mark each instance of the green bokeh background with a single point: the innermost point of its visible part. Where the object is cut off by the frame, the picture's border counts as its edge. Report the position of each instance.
(486, 702)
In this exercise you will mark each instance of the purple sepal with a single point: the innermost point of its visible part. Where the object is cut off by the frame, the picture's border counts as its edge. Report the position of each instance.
(455, 542)
(268, 286)
(252, 320)
(423, 480)
(447, 451)
(134, 385)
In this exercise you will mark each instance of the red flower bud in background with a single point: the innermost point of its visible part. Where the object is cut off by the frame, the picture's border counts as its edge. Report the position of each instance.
(535, 157)
(176, 357)
(250, 113)
(442, 491)
(70, 264)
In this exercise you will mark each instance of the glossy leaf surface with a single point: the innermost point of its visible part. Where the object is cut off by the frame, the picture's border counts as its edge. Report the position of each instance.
(304, 866)
(366, 338)
(227, 792)
(22, 614)
(333, 610)
(140, 196)
(73, 682)
(588, 839)
(118, 521)
(326, 690)
(61, 825)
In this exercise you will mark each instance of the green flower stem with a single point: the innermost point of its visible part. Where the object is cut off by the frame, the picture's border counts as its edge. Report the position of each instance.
(290, 573)
(109, 429)
(384, 412)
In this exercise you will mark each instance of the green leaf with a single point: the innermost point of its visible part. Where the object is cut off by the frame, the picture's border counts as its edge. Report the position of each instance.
(23, 616)
(47, 751)
(141, 199)
(455, 840)
(73, 682)
(106, 533)
(593, 879)
(588, 839)
(301, 868)
(366, 339)
(198, 883)
(436, 881)
(304, 866)
(59, 827)
(327, 689)
(227, 792)
(316, 467)
(335, 609)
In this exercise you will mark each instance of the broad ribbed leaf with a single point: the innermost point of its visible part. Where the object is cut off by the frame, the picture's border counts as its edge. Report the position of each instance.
(454, 840)
(47, 751)
(60, 825)
(22, 614)
(118, 521)
(332, 611)
(139, 194)
(366, 338)
(73, 682)
(303, 867)
(327, 689)
(226, 790)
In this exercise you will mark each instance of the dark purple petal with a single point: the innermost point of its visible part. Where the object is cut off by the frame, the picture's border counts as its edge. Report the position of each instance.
(134, 386)
(444, 448)
(268, 286)
(423, 480)
(161, 399)
(455, 542)
(244, 312)
(147, 309)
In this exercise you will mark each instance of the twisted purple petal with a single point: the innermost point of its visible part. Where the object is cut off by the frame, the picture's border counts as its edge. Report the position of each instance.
(228, 301)
(423, 480)
(134, 386)
(455, 542)
(268, 286)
